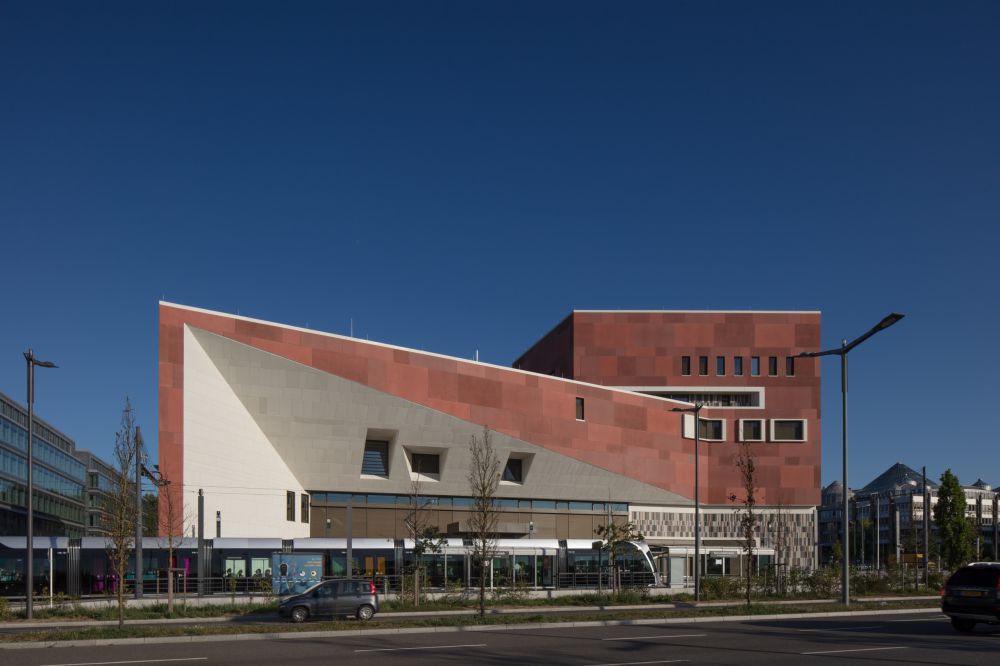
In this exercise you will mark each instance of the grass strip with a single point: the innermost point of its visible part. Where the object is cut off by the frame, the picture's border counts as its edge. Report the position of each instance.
(146, 631)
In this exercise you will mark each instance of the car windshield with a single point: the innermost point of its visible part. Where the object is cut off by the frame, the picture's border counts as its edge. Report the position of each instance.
(975, 577)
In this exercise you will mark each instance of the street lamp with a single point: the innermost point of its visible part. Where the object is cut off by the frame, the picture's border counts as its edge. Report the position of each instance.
(696, 410)
(29, 357)
(842, 351)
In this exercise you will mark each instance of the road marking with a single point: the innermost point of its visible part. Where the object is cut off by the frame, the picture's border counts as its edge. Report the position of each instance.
(639, 663)
(423, 647)
(642, 638)
(134, 661)
(874, 626)
(896, 647)
(936, 618)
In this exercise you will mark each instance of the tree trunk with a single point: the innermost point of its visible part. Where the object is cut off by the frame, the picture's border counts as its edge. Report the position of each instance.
(170, 591)
(121, 600)
(482, 589)
(416, 587)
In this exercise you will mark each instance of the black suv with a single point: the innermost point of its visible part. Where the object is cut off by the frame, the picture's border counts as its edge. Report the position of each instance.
(332, 597)
(972, 595)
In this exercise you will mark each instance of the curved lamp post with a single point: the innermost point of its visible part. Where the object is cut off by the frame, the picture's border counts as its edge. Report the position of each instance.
(842, 351)
(29, 563)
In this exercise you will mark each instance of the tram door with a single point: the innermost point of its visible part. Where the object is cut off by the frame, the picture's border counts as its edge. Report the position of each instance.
(544, 565)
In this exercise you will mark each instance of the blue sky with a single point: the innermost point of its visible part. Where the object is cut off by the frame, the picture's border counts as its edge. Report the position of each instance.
(458, 176)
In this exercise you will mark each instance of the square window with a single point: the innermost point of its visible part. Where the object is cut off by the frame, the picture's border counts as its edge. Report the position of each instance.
(720, 365)
(579, 409)
(751, 430)
(376, 458)
(513, 470)
(755, 366)
(738, 366)
(772, 366)
(685, 365)
(426, 463)
(702, 365)
(788, 430)
(790, 366)
(712, 429)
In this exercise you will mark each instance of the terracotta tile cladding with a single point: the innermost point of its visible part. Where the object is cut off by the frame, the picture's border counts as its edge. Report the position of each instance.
(625, 433)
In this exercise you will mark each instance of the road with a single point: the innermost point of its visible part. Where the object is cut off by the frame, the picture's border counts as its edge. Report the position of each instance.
(919, 638)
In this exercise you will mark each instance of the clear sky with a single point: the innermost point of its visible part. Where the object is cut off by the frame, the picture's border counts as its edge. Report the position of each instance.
(459, 176)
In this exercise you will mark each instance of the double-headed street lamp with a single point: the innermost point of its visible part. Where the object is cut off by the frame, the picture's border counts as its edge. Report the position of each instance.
(29, 356)
(696, 410)
(842, 351)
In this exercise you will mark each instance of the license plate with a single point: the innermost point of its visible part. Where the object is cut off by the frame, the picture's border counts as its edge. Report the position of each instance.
(970, 593)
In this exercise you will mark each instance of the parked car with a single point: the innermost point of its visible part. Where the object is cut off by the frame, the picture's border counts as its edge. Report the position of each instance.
(972, 595)
(332, 597)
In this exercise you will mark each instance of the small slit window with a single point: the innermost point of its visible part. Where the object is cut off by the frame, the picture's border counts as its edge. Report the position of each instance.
(755, 366)
(579, 409)
(790, 366)
(738, 366)
(772, 366)
(685, 365)
(290, 506)
(720, 365)
(304, 508)
(702, 365)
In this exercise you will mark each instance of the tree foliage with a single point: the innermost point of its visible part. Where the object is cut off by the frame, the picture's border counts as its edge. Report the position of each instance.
(484, 478)
(121, 506)
(426, 536)
(614, 539)
(954, 530)
(746, 515)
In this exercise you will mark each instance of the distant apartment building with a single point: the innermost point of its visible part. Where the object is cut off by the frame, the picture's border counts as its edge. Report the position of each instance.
(100, 484)
(59, 479)
(887, 517)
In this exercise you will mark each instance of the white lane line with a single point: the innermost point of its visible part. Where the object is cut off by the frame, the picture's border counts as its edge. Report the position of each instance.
(874, 626)
(639, 663)
(895, 647)
(133, 661)
(643, 638)
(423, 647)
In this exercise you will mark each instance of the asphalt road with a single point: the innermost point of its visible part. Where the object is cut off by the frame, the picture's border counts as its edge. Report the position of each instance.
(920, 638)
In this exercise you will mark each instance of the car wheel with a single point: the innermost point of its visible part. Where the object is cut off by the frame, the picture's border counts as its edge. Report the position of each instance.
(963, 625)
(366, 612)
(299, 614)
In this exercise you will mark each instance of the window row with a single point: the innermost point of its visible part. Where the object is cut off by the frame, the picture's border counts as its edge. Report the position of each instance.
(748, 430)
(17, 467)
(737, 368)
(17, 437)
(426, 465)
(503, 503)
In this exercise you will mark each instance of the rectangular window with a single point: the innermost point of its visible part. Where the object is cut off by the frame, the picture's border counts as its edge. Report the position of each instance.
(702, 365)
(772, 366)
(790, 366)
(290, 506)
(685, 365)
(376, 459)
(751, 430)
(512, 470)
(720, 365)
(579, 409)
(304, 508)
(755, 366)
(788, 430)
(738, 366)
(426, 463)
(712, 429)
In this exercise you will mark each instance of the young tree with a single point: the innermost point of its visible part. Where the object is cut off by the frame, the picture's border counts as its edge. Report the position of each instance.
(174, 520)
(780, 530)
(614, 539)
(121, 507)
(426, 536)
(954, 530)
(745, 509)
(484, 477)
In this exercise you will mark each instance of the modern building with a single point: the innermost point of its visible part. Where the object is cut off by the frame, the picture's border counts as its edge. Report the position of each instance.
(59, 477)
(100, 484)
(294, 433)
(887, 517)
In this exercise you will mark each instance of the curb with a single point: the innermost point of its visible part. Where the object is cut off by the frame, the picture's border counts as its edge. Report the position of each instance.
(291, 635)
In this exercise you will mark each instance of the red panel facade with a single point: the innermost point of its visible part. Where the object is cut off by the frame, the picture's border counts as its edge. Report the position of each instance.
(626, 433)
